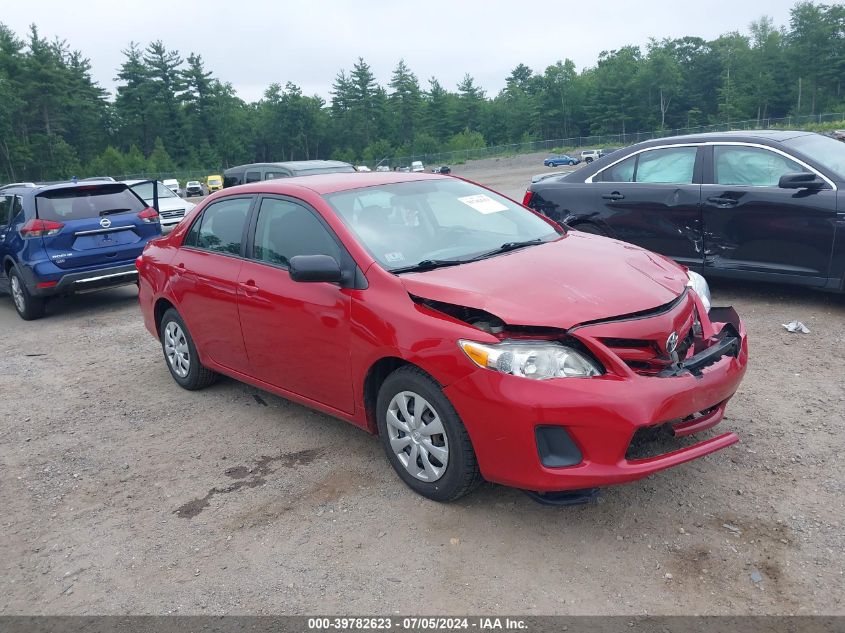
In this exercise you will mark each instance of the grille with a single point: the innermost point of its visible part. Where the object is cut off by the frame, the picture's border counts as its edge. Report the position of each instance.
(644, 356)
(173, 214)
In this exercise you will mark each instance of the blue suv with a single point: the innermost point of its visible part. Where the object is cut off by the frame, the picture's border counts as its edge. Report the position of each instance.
(67, 238)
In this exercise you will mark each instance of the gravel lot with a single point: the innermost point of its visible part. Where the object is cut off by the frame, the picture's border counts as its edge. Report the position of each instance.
(121, 493)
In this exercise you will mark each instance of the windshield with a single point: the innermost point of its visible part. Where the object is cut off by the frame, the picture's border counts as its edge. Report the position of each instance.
(145, 190)
(826, 151)
(406, 223)
(214, 180)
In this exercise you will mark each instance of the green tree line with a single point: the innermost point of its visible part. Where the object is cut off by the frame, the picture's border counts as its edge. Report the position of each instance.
(171, 113)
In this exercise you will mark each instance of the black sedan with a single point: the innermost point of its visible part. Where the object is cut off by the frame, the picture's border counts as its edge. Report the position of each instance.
(750, 205)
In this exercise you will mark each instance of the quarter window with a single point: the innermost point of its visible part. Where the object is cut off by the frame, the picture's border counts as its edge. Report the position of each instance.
(221, 226)
(286, 229)
(750, 166)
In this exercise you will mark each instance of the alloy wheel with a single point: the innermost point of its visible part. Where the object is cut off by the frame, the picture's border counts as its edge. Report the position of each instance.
(17, 294)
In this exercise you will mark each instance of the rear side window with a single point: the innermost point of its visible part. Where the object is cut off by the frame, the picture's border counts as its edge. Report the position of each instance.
(5, 209)
(272, 175)
(231, 181)
(221, 226)
(89, 201)
(253, 176)
(673, 165)
(621, 172)
(750, 166)
(286, 229)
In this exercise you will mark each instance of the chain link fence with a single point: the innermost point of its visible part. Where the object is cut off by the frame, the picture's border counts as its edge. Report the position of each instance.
(610, 140)
(571, 143)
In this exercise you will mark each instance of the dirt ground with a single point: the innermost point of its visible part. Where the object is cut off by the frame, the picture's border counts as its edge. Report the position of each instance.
(122, 493)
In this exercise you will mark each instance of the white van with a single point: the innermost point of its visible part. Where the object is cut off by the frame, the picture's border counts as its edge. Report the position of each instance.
(417, 166)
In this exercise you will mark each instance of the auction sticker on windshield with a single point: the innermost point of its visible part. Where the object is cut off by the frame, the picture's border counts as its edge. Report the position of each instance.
(483, 204)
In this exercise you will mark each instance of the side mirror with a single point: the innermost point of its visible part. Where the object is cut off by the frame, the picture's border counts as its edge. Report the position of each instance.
(312, 268)
(800, 180)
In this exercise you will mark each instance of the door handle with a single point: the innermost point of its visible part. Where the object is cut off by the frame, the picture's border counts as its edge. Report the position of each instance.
(723, 202)
(249, 287)
(179, 269)
(615, 195)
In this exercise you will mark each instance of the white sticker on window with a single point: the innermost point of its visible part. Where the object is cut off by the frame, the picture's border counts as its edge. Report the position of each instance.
(394, 257)
(483, 204)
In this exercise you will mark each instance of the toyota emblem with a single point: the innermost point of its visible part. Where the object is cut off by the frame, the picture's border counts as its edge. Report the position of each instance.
(105, 223)
(672, 343)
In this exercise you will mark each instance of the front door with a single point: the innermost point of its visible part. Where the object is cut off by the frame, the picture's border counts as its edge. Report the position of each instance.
(297, 335)
(752, 226)
(652, 199)
(205, 277)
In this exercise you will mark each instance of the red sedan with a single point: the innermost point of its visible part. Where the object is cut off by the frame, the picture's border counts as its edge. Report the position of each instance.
(475, 337)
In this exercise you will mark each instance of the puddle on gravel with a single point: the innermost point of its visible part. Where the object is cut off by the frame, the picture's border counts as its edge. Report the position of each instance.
(248, 478)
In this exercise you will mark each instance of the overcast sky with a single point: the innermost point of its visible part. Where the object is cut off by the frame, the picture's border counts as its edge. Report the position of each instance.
(252, 44)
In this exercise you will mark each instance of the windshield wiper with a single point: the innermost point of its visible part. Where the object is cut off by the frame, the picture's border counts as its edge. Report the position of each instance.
(110, 211)
(428, 264)
(507, 246)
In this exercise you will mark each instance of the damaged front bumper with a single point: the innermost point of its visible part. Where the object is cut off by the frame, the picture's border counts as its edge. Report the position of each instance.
(601, 416)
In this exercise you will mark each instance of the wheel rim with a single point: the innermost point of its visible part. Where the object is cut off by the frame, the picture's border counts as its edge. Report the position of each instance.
(17, 294)
(176, 349)
(417, 436)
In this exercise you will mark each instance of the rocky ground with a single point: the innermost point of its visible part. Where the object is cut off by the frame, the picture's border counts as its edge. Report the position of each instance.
(122, 493)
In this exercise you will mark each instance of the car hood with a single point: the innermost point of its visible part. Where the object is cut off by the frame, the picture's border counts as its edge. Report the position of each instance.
(575, 279)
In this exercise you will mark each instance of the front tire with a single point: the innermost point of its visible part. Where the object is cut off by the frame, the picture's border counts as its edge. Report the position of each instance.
(28, 307)
(180, 354)
(424, 438)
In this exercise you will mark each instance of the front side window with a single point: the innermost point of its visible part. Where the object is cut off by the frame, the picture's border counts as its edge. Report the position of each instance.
(406, 223)
(252, 176)
(286, 229)
(221, 226)
(750, 166)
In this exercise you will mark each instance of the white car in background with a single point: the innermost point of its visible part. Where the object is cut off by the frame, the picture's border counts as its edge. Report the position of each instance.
(417, 166)
(171, 208)
(362, 168)
(172, 184)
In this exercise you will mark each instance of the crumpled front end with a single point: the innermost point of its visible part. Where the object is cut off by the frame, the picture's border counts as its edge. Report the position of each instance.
(668, 374)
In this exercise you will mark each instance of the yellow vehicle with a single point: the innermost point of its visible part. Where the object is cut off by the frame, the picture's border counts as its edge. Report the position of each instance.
(214, 183)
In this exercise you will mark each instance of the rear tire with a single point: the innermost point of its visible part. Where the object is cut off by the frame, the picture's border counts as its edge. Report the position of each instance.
(28, 307)
(180, 354)
(424, 438)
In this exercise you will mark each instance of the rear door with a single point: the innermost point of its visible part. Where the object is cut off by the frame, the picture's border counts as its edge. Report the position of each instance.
(652, 199)
(98, 225)
(204, 277)
(752, 226)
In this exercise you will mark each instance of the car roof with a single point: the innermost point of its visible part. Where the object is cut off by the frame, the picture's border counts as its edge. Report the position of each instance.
(335, 182)
(294, 165)
(749, 136)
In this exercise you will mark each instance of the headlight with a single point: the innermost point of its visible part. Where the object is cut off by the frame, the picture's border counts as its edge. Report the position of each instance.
(539, 360)
(699, 284)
